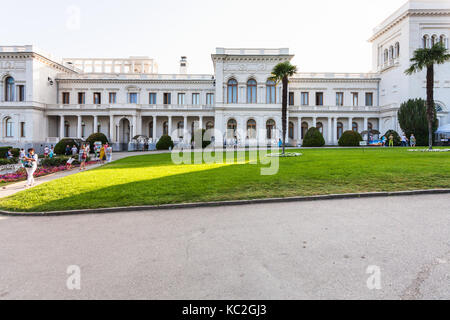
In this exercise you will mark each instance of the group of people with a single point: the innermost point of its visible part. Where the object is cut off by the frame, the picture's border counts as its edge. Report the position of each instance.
(82, 154)
(405, 142)
(49, 152)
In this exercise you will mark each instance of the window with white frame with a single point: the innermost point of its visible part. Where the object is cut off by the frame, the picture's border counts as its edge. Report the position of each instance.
(210, 99)
(271, 92)
(196, 98)
(369, 99)
(339, 99)
(355, 97)
(305, 98)
(112, 97)
(152, 98)
(9, 128)
(20, 93)
(133, 97)
(181, 99)
(66, 98)
(9, 89)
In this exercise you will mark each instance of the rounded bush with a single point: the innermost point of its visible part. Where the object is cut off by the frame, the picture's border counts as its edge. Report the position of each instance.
(397, 139)
(313, 138)
(350, 139)
(60, 147)
(164, 143)
(4, 151)
(96, 137)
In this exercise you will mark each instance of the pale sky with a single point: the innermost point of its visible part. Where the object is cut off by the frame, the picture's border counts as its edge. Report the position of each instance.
(324, 35)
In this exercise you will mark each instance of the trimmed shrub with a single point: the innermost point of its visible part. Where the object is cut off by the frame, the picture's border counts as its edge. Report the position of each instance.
(60, 147)
(204, 143)
(16, 152)
(313, 138)
(397, 139)
(4, 162)
(3, 152)
(164, 143)
(413, 119)
(350, 139)
(96, 137)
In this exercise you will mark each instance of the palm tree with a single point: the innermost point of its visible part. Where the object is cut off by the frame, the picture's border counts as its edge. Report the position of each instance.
(427, 58)
(281, 73)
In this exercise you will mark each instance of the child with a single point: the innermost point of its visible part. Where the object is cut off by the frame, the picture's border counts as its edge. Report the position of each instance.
(46, 151)
(69, 163)
(52, 152)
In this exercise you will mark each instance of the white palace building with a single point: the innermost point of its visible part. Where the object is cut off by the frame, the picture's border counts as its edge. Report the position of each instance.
(44, 99)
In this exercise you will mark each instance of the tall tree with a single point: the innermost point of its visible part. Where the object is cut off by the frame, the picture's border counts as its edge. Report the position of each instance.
(427, 58)
(281, 73)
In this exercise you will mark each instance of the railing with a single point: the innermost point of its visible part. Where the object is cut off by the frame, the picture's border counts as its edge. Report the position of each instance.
(130, 106)
(331, 75)
(335, 108)
(252, 51)
(122, 76)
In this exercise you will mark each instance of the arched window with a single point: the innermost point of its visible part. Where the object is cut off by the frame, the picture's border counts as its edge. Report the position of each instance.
(340, 130)
(319, 127)
(180, 128)
(443, 39)
(232, 91)
(9, 128)
(291, 130)
(397, 50)
(271, 92)
(434, 40)
(425, 41)
(386, 56)
(270, 128)
(355, 127)
(66, 129)
(439, 107)
(165, 128)
(391, 53)
(251, 91)
(304, 129)
(251, 129)
(231, 128)
(9, 89)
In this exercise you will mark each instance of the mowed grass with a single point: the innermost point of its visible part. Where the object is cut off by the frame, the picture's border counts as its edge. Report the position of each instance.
(155, 180)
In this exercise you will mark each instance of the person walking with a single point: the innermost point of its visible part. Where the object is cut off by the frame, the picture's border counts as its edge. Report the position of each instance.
(52, 152)
(391, 140)
(404, 140)
(30, 164)
(68, 150)
(46, 151)
(412, 140)
(74, 150)
(83, 157)
(102, 154)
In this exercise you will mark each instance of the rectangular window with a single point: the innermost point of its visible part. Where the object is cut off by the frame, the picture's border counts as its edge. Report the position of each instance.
(22, 129)
(210, 99)
(181, 99)
(152, 98)
(291, 98)
(66, 98)
(339, 99)
(21, 92)
(112, 97)
(319, 98)
(196, 98)
(9, 128)
(355, 98)
(167, 98)
(369, 99)
(97, 98)
(81, 98)
(133, 97)
(305, 98)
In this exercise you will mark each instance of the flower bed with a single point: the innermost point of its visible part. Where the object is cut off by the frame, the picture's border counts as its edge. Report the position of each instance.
(21, 174)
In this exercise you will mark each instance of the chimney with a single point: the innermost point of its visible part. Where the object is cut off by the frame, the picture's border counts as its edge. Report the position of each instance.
(183, 65)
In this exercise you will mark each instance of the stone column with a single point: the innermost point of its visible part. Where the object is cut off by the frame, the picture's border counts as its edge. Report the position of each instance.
(314, 122)
(299, 129)
(185, 129)
(330, 131)
(154, 128)
(366, 123)
(95, 124)
(169, 126)
(134, 131)
(80, 119)
(111, 129)
(200, 122)
(335, 120)
(61, 127)
(350, 123)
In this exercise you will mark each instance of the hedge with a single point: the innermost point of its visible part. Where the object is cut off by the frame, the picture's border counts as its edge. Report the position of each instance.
(350, 139)
(397, 139)
(313, 138)
(3, 151)
(96, 137)
(164, 143)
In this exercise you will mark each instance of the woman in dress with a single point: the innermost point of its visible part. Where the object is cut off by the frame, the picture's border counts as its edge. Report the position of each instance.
(30, 164)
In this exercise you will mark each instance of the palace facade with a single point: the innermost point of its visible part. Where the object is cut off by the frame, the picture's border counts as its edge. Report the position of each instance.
(44, 99)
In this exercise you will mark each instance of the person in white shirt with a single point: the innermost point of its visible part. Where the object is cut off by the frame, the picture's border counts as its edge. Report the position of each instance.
(31, 163)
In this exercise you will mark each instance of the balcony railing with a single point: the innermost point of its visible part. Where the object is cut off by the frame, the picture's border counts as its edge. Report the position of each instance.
(129, 106)
(335, 108)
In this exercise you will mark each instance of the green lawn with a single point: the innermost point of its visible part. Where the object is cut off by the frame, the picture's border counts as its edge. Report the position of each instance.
(154, 179)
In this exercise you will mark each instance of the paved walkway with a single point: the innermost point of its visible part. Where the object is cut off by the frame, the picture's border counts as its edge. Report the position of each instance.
(310, 250)
(20, 186)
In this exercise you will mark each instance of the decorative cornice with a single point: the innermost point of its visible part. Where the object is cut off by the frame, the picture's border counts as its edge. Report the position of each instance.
(406, 14)
(135, 81)
(38, 57)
